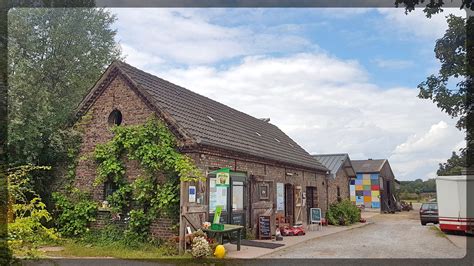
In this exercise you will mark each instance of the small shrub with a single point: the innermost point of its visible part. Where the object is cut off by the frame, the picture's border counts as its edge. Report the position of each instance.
(343, 213)
(74, 213)
(200, 247)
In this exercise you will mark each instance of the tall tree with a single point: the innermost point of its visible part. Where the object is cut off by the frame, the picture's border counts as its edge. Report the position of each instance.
(452, 87)
(55, 56)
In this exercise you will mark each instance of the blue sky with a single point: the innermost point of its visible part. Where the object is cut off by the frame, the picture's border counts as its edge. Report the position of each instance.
(335, 80)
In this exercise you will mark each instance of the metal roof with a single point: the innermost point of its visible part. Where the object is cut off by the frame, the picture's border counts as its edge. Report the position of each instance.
(368, 166)
(334, 162)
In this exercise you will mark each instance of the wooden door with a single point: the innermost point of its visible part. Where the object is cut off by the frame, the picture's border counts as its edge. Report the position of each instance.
(298, 205)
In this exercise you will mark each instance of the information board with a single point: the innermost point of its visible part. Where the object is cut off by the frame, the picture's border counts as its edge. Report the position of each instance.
(315, 215)
(264, 227)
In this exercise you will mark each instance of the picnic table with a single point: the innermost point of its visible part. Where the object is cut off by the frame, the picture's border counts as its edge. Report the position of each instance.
(228, 230)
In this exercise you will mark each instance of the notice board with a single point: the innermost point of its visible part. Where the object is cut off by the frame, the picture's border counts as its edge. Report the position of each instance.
(264, 227)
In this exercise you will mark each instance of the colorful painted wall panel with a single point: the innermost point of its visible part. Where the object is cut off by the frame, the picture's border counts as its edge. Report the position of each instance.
(365, 190)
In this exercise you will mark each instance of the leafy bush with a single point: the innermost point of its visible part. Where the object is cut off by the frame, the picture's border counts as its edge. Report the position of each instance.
(343, 213)
(74, 213)
(27, 213)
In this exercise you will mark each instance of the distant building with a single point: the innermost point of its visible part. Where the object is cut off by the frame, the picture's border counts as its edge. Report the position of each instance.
(340, 174)
(374, 185)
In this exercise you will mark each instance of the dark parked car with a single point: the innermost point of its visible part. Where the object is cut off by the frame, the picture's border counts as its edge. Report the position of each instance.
(429, 213)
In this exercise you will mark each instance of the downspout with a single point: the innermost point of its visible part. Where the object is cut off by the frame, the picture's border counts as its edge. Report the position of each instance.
(327, 191)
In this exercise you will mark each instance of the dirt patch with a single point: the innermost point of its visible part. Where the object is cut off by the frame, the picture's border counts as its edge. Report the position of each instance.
(51, 249)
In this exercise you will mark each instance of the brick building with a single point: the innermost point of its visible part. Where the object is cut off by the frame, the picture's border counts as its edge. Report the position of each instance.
(270, 173)
(341, 172)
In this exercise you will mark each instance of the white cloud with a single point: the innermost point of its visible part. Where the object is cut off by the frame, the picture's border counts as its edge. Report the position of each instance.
(327, 105)
(416, 24)
(393, 63)
(187, 36)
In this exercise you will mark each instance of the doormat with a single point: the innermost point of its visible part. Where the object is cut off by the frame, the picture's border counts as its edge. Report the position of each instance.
(252, 243)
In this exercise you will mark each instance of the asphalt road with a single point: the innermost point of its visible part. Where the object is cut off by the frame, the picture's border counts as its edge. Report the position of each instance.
(397, 235)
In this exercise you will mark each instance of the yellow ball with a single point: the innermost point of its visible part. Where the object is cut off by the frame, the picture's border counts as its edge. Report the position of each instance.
(219, 252)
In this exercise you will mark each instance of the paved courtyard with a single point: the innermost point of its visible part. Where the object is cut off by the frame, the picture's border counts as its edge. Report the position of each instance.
(397, 235)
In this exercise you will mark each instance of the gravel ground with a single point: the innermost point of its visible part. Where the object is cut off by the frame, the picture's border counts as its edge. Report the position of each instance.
(397, 235)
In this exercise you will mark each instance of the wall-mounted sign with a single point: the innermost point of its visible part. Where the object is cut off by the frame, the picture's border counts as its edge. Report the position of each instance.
(222, 177)
(280, 196)
(192, 194)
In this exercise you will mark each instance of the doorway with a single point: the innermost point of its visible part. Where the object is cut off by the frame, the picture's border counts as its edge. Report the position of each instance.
(289, 204)
(311, 200)
(233, 199)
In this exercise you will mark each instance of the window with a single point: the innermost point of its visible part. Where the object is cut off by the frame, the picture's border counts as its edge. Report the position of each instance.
(115, 118)
(339, 194)
(109, 188)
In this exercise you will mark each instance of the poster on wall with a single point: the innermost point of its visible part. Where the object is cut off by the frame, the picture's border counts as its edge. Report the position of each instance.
(222, 177)
(280, 197)
(217, 196)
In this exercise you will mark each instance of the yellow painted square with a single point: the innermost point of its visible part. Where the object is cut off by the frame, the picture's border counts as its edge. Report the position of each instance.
(367, 198)
(375, 193)
(353, 198)
(366, 182)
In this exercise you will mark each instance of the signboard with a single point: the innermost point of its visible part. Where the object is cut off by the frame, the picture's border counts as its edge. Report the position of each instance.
(315, 215)
(222, 177)
(192, 194)
(280, 196)
(264, 231)
(217, 214)
(217, 196)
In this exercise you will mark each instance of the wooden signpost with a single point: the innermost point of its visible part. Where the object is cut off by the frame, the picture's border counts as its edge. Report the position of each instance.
(264, 227)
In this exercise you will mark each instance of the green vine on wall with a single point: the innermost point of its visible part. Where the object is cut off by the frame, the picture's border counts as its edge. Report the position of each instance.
(146, 198)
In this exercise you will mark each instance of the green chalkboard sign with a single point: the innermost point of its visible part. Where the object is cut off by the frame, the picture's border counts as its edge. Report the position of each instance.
(316, 215)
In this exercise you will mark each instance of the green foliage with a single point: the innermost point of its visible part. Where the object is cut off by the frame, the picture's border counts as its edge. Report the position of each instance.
(454, 165)
(450, 50)
(27, 214)
(343, 213)
(418, 186)
(54, 57)
(74, 212)
(144, 199)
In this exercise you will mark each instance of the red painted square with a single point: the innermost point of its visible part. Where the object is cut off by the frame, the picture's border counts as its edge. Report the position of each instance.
(375, 187)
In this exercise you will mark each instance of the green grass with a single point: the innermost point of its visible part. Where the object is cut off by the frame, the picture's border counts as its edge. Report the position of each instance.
(438, 231)
(74, 248)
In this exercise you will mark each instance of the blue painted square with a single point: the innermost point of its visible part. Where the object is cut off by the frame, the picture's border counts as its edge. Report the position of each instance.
(352, 182)
(367, 193)
(358, 182)
(375, 204)
(374, 176)
(359, 176)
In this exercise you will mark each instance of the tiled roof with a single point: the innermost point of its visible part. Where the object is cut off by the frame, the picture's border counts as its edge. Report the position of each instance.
(368, 166)
(215, 124)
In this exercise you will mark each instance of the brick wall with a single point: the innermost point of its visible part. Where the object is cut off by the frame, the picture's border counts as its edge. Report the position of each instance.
(341, 181)
(116, 96)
